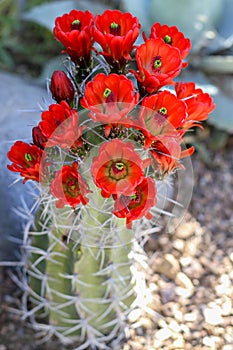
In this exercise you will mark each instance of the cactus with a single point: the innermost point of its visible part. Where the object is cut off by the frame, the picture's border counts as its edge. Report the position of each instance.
(100, 155)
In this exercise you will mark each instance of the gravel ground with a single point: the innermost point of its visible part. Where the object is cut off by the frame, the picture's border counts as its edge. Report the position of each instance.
(190, 275)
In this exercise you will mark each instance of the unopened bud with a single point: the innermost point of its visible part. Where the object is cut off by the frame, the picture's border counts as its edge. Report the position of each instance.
(61, 87)
(38, 138)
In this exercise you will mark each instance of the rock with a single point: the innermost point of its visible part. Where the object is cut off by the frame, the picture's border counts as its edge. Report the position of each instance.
(163, 334)
(19, 112)
(183, 281)
(226, 308)
(168, 265)
(190, 317)
(213, 315)
(179, 245)
(187, 229)
(210, 341)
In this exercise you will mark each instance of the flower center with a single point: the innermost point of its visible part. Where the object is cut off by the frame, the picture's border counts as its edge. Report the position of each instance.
(107, 92)
(28, 157)
(76, 24)
(72, 187)
(108, 95)
(163, 111)
(135, 197)
(115, 29)
(157, 63)
(118, 170)
(167, 39)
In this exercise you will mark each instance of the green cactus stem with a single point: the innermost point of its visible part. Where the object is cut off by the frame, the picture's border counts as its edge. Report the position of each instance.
(80, 276)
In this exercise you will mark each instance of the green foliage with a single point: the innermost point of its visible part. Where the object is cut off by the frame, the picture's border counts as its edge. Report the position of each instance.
(8, 26)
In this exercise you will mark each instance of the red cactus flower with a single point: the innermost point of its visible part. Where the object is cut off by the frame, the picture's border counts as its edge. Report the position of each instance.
(60, 125)
(109, 98)
(172, 36)
(161, 113)
(61, 87)
(117, 169)
(168, 108)
(116, 33)
(75, 31)
(166, 153)
(138, 204)
(26, 160)
(69, 187)
(158, 64)
(199, 104)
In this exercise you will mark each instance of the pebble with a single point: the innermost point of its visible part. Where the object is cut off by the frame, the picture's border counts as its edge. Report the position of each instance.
(167, 265)
(179, 244)
(163, 334)
(210, 342)
(226, 308)
(186, 230)
(184, 281)
(213, 315)
(190, 317)
(178, 343)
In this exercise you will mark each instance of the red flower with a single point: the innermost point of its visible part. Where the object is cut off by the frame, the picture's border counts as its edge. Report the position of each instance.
(162, 113)
(171, 36)
(166, 153)
(116, 33)
(109, 98)
(199, 104)
(117, 169)
(75, 31)
(158, 64)
(69, 187)
(26, 159)
(138, 204)
(61, 87)
(60, 125)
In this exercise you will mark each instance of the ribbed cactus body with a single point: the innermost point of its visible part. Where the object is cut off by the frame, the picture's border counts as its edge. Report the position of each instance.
(80, 280)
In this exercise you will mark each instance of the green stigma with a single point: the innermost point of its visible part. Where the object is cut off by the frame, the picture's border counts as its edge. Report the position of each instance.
(72, 187)
(134, 197)
(157, 64)
(115, 29)
(28, 157)
(163, 110)
(114, 25)
(167, 39)
(76, 24)
(119, 166)
(107, 92)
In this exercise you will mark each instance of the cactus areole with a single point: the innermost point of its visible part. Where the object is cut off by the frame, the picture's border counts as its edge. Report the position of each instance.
(98, 155)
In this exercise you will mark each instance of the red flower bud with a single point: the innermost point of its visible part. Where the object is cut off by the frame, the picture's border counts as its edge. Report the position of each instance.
(39, 139)
(61, 87)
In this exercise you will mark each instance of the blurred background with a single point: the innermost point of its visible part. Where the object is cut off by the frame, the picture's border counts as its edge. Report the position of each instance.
(191, 277)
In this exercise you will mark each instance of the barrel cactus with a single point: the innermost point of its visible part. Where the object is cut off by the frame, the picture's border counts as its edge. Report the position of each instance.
(112, 135)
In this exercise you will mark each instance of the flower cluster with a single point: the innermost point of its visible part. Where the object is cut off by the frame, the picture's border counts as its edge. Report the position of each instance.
(133, 132)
